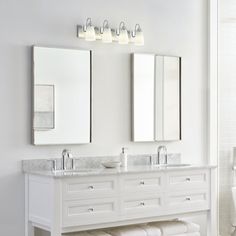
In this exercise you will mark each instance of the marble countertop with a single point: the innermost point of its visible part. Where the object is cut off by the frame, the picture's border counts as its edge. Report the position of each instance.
(113, 171)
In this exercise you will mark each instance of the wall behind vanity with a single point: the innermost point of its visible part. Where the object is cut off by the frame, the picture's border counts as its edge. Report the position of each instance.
(170, 27)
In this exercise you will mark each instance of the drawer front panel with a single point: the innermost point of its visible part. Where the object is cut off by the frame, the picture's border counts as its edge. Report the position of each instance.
(89, 188)
(88, 211)
(142, 206)
(142, 183)
(188, 201)
(187, 180)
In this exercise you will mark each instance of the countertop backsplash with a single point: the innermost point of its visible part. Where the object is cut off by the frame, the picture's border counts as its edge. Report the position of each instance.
(95, 161)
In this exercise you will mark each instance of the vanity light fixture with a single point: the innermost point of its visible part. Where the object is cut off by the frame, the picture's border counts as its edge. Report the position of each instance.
(89, 31)
(108, 35)
(105, 31)
(137, 35)
(122, 33)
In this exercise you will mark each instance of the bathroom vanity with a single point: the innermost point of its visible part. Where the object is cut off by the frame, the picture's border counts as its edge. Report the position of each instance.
(70, 201)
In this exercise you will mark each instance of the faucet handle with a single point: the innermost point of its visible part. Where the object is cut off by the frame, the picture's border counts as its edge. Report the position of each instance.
(65, 151)
(152, 160)
(73, 161)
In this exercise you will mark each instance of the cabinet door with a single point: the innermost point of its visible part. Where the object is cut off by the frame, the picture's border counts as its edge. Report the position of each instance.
(142, 206)
(86, 212)
(156, 98)
(143, 97)
(187, 201)
(90, 187)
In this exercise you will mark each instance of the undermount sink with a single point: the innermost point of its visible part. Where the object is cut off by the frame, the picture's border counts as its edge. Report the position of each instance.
(172, 165)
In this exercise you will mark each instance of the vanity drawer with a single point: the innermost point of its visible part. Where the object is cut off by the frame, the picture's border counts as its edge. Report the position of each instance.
(187, 201)
(89, 211)
(89, 187)
(187, 180)
(142, 206)
(142, 183)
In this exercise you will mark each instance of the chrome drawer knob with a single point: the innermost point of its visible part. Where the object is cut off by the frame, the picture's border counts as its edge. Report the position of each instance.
(142, 182)
(90, 209)
(188, 179)
(91, 187)
(142, 203)
(188, 199)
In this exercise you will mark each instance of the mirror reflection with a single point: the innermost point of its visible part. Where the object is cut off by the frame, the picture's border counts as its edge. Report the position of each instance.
(62, 96)
(156, 98)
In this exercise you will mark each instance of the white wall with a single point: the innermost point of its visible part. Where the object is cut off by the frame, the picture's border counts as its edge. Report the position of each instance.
(170, 27)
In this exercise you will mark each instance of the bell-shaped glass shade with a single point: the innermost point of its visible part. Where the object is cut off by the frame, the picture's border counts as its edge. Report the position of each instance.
(123, 37)
(106, 35)
(90, 33)
(139, 38)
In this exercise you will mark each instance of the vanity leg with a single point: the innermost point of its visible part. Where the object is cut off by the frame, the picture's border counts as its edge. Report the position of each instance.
(212, 219)
(55, 233)
(29, 229)
(57, 211)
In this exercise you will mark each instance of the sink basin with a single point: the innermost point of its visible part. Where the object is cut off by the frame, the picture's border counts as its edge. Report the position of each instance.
(173, 165)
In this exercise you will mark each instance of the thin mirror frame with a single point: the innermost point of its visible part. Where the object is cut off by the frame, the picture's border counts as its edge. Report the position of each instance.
(33, 92)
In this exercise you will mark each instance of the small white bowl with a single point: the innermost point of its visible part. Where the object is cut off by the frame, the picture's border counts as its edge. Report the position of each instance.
(111, 164)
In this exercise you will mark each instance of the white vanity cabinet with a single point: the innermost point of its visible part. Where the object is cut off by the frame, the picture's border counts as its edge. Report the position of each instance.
(76, 203)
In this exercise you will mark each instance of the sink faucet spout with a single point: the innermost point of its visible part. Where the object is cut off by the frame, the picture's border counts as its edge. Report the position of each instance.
(160, 148)
(66, 154)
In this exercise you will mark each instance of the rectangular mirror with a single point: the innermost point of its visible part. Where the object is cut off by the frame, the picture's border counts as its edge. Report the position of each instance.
(156, 98)
(62, 96)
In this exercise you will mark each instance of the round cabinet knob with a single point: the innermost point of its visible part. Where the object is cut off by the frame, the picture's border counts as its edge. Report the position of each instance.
(142, 182)
(188, 179)
(90, 209)
(91, 187)
(142, 203)
(188, 199)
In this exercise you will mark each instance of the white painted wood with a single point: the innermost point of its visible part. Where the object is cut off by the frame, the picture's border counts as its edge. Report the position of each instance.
(88, 187)
(64, 204)
(142, 183)
(213, 83)
(213, 135)
(56, 202)
(212, 226)
(139, 205)
(187, 180)
(40, 191)
(92, 211)
(132, 221)
(185, 201)
(29, 228)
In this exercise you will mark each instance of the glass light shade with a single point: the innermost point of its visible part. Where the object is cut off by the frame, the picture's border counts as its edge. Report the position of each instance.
(90, 33)
(123, 37)
(106, 35)
(139, 38)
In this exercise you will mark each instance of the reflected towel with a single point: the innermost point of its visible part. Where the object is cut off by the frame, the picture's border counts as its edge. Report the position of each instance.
(132, 230)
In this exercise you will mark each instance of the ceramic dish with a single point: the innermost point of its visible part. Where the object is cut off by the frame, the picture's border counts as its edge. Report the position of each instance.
(111, 164)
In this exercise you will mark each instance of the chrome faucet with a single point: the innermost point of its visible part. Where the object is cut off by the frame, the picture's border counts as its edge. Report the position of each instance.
(66, 155)
(159, 156)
